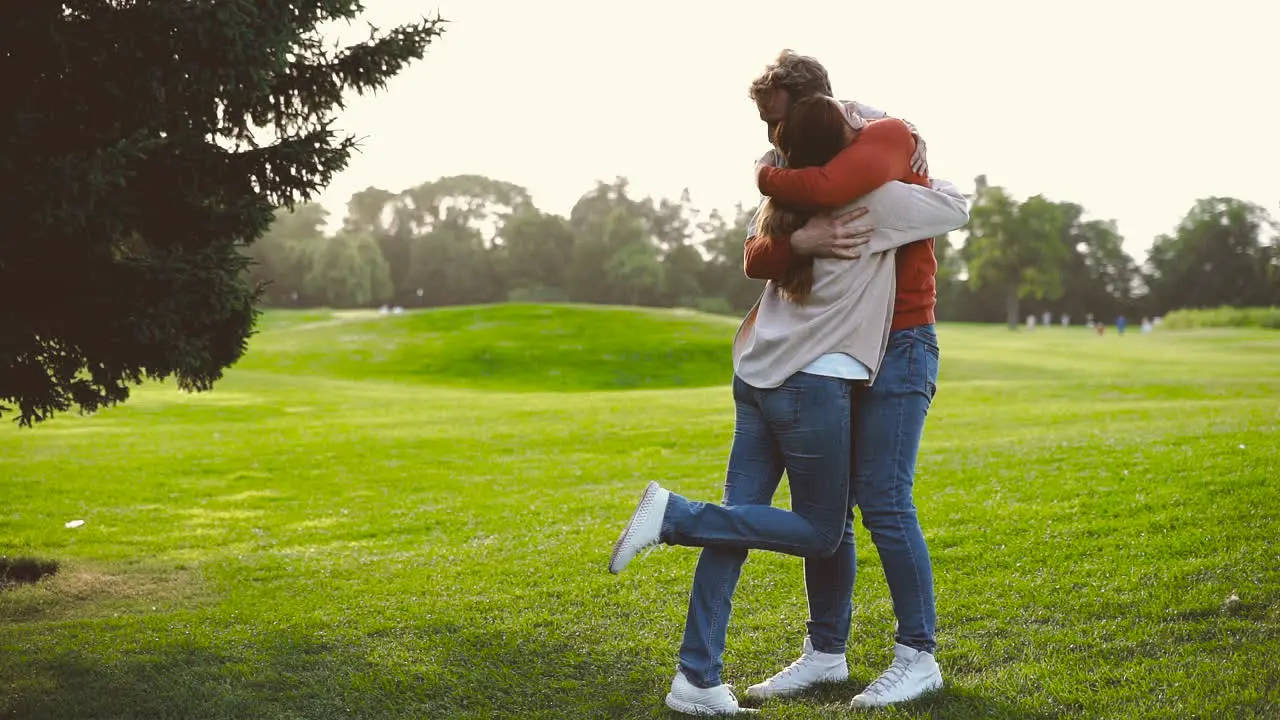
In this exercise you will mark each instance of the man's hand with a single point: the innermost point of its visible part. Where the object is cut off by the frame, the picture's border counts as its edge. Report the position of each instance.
(839, 237)
(919, 165)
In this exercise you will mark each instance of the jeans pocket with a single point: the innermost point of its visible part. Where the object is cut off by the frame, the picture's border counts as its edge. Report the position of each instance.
(930, 342)
(901, 338)
(782, 405)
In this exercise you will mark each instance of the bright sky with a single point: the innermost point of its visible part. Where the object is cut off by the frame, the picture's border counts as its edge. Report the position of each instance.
(1132, 108)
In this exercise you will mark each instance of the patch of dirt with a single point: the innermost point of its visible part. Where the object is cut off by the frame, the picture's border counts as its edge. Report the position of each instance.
(88, 592)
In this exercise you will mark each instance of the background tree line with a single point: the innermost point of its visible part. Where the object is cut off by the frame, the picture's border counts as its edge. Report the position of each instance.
(471, 239)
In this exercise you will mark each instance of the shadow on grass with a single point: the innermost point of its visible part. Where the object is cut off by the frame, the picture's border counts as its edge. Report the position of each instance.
(434, 672)
(439, 672)
(951, 703)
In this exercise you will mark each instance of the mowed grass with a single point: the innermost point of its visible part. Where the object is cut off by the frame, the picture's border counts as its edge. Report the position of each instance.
(344, 529)
(507, 347)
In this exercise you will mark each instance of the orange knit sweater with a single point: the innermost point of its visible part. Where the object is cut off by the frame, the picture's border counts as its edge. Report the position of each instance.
(881, 153)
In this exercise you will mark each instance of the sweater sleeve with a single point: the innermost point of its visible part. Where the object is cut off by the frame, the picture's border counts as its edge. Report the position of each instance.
(866, 112)
(764, 257)
(910, 212)
(881, 153)
(767, 258)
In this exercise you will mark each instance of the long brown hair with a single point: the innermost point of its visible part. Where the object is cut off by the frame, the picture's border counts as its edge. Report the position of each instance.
(813, 131)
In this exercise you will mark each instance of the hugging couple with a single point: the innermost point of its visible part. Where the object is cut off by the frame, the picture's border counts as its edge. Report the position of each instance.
(834, 371)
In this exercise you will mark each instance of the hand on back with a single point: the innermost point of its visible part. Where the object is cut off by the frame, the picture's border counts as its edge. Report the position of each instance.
(833, 236)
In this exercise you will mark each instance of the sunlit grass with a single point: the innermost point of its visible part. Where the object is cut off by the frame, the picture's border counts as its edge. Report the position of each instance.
(346, 529)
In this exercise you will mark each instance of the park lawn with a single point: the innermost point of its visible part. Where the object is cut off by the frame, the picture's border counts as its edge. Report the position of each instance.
(348, 529)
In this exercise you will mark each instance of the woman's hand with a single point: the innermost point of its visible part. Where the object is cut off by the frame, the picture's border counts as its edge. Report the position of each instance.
(839, 236)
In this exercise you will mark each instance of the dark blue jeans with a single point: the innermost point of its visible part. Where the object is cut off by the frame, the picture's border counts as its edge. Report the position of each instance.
(803, 427)
(887, 427)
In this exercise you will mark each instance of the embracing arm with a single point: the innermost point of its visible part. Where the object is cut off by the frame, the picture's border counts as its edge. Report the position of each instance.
(919, 163)
(915, 213)
(764, 257)
(881, 153)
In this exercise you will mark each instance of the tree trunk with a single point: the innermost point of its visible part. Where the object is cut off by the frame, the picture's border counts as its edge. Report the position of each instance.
(1011, 308)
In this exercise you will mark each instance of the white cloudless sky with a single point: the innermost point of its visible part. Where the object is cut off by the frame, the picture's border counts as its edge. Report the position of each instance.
(1132, 108)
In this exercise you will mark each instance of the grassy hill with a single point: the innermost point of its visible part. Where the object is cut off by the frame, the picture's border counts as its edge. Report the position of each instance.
(503, 347)
(590, 347)
(387, 528)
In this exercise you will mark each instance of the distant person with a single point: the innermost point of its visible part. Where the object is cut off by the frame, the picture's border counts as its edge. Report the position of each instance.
(1088, 320)
(1146, 325)
(1066, 320)
(1120, 324)
(1048, 318)
(1031, 322)
(804, 357)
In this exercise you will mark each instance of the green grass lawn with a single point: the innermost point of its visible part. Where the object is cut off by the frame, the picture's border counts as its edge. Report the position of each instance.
(409, 517)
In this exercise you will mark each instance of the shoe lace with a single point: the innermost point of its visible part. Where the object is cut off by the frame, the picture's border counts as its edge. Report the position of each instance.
(896, 673)
(801, 663)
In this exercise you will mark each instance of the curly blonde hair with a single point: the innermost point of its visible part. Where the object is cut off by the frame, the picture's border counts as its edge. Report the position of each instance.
(800, 75)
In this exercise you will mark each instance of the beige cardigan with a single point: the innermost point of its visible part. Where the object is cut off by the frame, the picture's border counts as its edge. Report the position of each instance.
(850, 308)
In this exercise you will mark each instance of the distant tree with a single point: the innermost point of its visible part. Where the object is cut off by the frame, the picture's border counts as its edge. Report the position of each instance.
(672, 225)
(347, 270)
(681, 273)
(670, 222)
(1096, 275)
(1110, 275)
(634, 270)
(604, 221)
(445, 232)
(1273, 265)
(539, 248)
(372, 212)
(723, 282)
(147, 143)
(954, 302)
(1222, 253)
(282, 258)
(1015, 247)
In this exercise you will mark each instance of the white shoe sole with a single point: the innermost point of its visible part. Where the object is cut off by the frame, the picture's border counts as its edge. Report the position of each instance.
(859, 701)
(616, 565)
(697, 710)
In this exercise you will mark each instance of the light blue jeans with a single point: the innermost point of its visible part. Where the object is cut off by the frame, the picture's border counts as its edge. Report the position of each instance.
(803, 426)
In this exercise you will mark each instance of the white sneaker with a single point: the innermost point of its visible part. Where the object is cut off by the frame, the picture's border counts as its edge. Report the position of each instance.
(912, 674)
(687, 698)
(643, 529)
(812, 668)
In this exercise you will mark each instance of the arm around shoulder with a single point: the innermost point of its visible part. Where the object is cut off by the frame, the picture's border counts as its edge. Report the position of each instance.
(881, 153)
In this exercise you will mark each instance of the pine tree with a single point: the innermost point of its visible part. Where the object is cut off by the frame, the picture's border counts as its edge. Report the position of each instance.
(146, 143)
